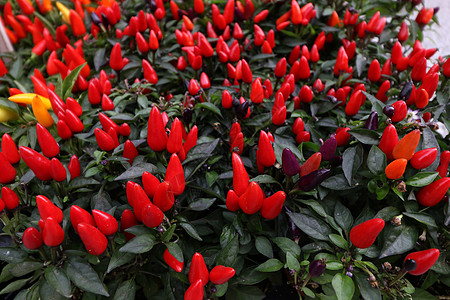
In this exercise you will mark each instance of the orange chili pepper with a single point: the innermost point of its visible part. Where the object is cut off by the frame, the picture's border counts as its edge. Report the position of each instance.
(311, 164)
(407, 145)
(396, 168)
(41, 113)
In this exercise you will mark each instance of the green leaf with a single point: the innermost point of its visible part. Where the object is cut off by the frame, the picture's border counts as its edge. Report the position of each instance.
(313, 227)
(351, 161)
(338, 241)
(136, 171)
(202, 204)
(23, 268)
(398, 240)
(387, 213)
(292, 262)
(429, 141)
(337, 183)
(167, 235)
(287, 245)
(47, 292)
(70, 80)
(422, 218)
(11, 255)
(422, 179)
(211, 107)
(229, 253)
(264, 179)
(343, 286)
(139, 244)
(271, 265)
(126, 290)
(343, 216)
(176, 251)
(376, 160)
(84, 276)
(316, 206)
(119, 259)
(264, 246)
(365, 288)
(365, 136)
(421, 294)
(14, 286)
(57, 278)
(191, 230)
(221, 289)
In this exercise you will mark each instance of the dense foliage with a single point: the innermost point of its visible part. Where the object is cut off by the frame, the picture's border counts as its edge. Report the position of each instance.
(236, 149)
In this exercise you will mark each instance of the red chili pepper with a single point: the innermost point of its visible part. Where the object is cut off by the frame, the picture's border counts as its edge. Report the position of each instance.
(106, 223)
(272, 205)
(419, 70)
(175, 141)
(10, 198)
(311, 164)
(116, 61)
(221, 274)
(94, 95)
(107, 103)
(39, 164)
(164, 197)
(49, 146)
(342, 136)
(152, 216)
(423, 158)
(198, 270)
(240, 176)
(32, 238)
(78, 215)
(266, 154)
(364, 234)
(150, 183)
(304, 70)
(252, 200)
(74, 106)
(48, 209)
(174, 263)
(73, 121)
(424, 260)
(77, 24)
(124, 129)
(341, 62)
(443, 165)
(306, 94)
(57, 170)
(354, 103)
(53, 234)
(232, 201)
(195, 291)
(104, 140)
(156, 134)
(128, 220)
(303, 136)
(374, 72)
(388, 141)
(26, 7)
(9, 149)
(141, 43)
(432, 194)
(129, 151)
(94, 241)
(149, 72)
(403, 32)
(107, 123)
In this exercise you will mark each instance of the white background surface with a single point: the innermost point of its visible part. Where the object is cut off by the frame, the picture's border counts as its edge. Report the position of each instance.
(438, 35)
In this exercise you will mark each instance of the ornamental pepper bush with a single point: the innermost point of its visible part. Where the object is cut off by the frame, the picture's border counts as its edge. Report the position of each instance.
(199, 149)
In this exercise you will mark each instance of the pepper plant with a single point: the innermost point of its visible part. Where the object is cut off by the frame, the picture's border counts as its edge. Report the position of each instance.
(229, 149)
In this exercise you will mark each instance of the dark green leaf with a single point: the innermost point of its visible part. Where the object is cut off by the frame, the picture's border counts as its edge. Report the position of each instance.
(211, 107)
(338, 241)
(422, 179)
(313, 227)
(351, 161)
(292, 262)
(365, 136)
(201, 204)
(398, 240)
(191, 231)
(343, 286)
(69, 81)
(429, 141)
(57, 278)
(365, 288)
(337, 182)
(264, 179)
(119, 259)
(167, 235)
(139, 244)
(422, 218)
(343, 216)
(244, 293)
(11, 255)
(136, 171)
(126, 290)
(287, 245)
(376, 161)
(46, 291)
(25, 267)
(271, 265)
(264, 246)
(14, 286)
(176, 251)
(228, 255)
(84, 276)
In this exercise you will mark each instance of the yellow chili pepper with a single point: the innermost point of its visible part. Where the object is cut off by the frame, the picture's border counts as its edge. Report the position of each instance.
(41, 113)
(64, 11)
(7, 115)
(27, 98)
